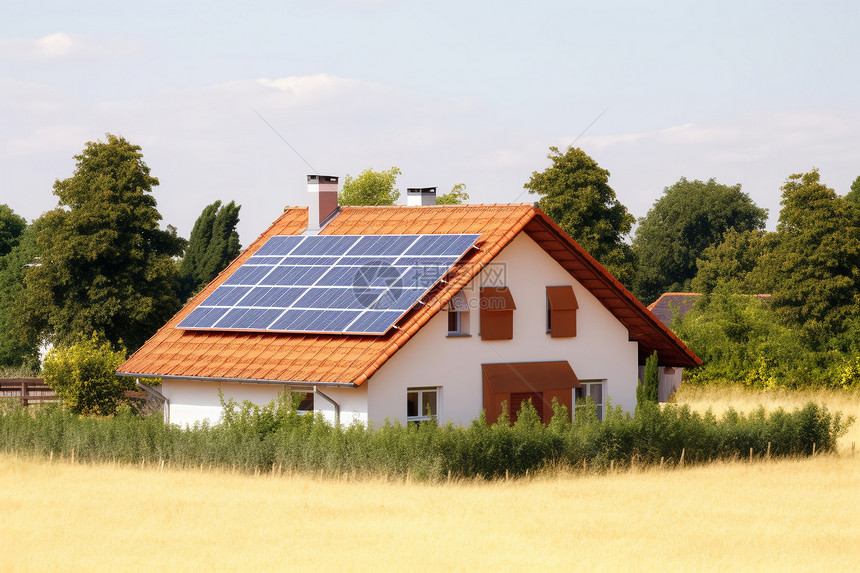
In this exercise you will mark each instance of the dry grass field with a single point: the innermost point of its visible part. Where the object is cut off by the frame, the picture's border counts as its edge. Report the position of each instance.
(761, 516)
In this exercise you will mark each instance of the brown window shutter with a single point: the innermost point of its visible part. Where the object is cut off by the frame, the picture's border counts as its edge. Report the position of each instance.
(497, 313)
(562, 309)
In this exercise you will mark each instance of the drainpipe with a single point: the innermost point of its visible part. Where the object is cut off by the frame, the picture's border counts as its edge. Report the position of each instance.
(332, 402)
(158, 395)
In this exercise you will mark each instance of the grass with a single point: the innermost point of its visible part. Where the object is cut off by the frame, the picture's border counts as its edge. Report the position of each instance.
(720, 398)
(788, 514)
(766, 516)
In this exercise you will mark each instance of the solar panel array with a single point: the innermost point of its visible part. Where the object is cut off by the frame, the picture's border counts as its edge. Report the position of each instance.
(345, 284)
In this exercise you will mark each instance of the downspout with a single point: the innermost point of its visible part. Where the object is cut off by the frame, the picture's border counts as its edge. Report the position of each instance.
(158, 395)
(332, 402)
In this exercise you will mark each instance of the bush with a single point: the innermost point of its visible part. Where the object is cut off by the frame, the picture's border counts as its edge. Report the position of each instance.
(262, 438)
(84, 376)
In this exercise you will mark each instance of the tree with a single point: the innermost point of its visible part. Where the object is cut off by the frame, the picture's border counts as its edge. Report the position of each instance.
(214, 243)
(732, 262)
(813, 269)
(11, 228)
(16, 349)
(647, 390)
(456, 196)
(575, 193)
(854, 195)
(84, 376)
(689, 217)
(106, 266)
(370, 188)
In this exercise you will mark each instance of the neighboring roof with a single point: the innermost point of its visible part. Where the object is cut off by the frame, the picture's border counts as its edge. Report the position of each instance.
(351, 359)
(665, 307)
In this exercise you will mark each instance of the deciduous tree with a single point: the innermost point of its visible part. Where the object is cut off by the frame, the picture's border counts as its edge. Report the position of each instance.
(106, 266)
(686, 220)
(16, 349)
(575, 193)
(370, 188)
(11, 228)
(456, 196)
(813, 270)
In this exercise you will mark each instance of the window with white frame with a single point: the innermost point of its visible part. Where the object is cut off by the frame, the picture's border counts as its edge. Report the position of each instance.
(307, 401)
(458, 315)
(422, 404)
(594, 389)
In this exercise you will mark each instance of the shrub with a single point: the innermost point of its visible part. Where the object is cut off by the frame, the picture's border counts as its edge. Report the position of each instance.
(84, 376)
(262, 438)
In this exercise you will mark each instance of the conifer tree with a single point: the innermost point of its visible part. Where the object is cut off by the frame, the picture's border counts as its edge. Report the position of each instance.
(214, 243)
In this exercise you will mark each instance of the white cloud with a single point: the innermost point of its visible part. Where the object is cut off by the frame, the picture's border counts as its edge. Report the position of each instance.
(63, 47)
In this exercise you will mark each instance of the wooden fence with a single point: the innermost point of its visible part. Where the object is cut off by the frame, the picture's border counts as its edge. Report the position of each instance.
(30, 390)
(35, 391)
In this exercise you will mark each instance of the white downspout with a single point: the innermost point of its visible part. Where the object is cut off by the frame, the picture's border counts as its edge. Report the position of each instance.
(332, 402)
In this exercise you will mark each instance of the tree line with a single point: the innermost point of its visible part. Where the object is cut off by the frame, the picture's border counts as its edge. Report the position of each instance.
(100, 262)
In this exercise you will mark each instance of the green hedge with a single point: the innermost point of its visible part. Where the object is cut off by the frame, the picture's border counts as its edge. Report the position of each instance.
(253, 438)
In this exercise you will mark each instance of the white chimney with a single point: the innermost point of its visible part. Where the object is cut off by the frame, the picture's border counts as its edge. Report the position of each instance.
(322, 201)
(421, 197)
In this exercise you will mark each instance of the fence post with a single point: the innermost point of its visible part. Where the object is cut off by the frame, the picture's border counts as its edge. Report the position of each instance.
(25, 389)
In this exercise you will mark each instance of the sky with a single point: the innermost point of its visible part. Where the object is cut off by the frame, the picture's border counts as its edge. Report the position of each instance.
(239, 101)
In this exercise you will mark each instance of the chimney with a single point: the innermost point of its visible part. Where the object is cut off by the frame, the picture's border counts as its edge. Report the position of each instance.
(421, 197)
(322, 201)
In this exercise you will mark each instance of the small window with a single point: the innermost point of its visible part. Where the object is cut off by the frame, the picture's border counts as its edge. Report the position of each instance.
(458, 315)
(593, 390)
(421, 404)
(307, 404)
(454, 321)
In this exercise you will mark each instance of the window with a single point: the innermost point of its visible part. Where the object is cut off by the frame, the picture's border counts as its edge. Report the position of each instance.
(307, 404)
(561, 308)
(593, 390)
(458, 316)
(497, 313)
(421, 404)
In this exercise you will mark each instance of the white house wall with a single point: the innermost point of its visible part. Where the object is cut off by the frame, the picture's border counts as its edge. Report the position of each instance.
(193, 401)
(601, 349)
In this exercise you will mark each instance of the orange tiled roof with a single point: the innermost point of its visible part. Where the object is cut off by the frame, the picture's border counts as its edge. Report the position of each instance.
(351, 359)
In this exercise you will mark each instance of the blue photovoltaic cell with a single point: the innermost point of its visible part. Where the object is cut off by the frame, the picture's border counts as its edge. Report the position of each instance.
(226, 296)
(329, 283)
(381, 245)
(263, 260)
(202, 316)
(248, 275)
(325, 245)
(374, 321)
(324, 261)
(278, 246)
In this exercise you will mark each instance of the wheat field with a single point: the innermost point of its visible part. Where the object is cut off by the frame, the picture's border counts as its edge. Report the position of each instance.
(797, 515)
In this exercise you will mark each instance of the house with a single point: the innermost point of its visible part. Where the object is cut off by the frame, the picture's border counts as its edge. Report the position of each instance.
(522, 312)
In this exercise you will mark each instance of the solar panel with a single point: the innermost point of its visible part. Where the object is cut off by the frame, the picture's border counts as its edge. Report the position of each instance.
(344, 284)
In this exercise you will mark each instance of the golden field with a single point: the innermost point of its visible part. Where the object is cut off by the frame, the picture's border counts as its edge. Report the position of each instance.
(762, 516)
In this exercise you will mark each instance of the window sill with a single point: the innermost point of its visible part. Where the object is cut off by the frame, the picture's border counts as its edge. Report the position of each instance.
(458, 335)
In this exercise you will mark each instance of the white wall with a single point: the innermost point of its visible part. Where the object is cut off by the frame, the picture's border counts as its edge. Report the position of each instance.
(194, 401)
(600, 351)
